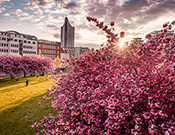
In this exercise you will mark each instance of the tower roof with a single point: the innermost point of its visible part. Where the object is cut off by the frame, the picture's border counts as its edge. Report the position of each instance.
(66, 22)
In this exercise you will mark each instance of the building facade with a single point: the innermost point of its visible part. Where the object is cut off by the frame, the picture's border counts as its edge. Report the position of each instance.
(15, 42)
(49, 49)
(169, 34)
(77, 51)
(67, 35)
(67, 40)
(137, 40)
(64, 54)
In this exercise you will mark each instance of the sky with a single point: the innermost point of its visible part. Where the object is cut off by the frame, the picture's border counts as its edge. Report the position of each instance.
(44, 18)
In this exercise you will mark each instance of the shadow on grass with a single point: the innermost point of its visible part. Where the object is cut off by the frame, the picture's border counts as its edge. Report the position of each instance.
(8, 81)
(17, 120)
(22, 86)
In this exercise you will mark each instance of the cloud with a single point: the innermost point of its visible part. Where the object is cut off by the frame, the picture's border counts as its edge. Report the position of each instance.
(19, 12)
(75, 13)
(35, 4)
(56, 35)
(35, 20)
(78, 36)
(40, 25)
(1, 1)
(130, 14)
(52, 27)
(39, 11)
(133, 16)
(72, 5)
(7, 14)
(2, 9)
(26, 17)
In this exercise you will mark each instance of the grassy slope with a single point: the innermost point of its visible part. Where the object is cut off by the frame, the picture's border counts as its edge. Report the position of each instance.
(19, 107)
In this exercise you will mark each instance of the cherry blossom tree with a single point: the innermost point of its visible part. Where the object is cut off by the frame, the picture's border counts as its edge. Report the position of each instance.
(14, 65)
(116, 91)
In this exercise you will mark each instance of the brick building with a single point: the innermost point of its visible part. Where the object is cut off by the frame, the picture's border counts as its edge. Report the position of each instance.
(49, 49)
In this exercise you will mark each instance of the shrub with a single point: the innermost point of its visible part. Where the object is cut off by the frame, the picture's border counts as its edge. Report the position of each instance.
(115, 91)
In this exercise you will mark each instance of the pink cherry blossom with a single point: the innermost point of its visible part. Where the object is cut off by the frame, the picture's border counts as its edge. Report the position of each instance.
(114, 91)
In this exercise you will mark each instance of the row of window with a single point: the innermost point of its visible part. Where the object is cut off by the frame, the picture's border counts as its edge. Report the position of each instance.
(48, 46)
(15, 40)
(49, 51)
(13, 45)
(14, 51)
(50, 56)
(29, 42)
(9, 35)
(4, 44)
(28, 47)
(29, 52)
(3, 50)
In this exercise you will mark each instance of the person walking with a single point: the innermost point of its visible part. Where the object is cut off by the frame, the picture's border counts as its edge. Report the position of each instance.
(27, 82)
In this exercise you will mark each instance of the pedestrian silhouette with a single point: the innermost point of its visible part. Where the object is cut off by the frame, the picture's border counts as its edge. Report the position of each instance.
(27, 82)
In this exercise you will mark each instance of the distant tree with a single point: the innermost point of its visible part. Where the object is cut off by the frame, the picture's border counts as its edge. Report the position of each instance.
(14, 65)
(6, 63)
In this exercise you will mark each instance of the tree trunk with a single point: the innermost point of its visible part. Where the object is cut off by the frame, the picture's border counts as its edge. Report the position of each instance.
(24, 74)
(42, 74)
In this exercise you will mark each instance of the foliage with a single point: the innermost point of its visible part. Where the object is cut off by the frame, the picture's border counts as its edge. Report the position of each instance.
(115, 91)
(14, 65)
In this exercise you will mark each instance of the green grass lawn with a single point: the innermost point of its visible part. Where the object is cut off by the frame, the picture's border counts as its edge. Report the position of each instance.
(19, 107)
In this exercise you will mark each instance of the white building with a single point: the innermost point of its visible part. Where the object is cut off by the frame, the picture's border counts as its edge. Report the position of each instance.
(77, 51)
(169, 34)
(137, 40)
(14, 42)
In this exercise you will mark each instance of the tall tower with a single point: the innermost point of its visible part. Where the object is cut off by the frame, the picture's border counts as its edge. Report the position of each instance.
(67, 35)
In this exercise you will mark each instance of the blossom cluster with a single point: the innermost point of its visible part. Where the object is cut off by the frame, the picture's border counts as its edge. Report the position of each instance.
(13, 64)
(111, 92)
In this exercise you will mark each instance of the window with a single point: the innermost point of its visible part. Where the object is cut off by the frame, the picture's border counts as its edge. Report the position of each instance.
(39, 45)
(5, 50)
(13, 45)
(29, 42)
(25, 41)
(15, 40)
(33, 42)
(29, 52)
(5, 45)
(15, 51)
(4, 39)
(8, 39)
(28, 47)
